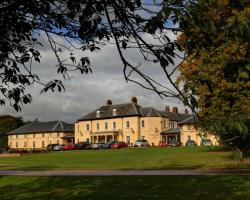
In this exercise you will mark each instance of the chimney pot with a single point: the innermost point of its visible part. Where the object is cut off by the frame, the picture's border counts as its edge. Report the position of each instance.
(167, 109)
(175, 110)
(134, 100)
(186, 111)
(109, 102)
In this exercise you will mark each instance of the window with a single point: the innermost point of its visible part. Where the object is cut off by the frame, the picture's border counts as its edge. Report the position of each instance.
(114, 125)
(165, 123)
(34, 144)
(98, 113)
(106, 126)
(87, 127)
(114, 112)
(34, 135)
(43, 135)
(97, 126)
(77, 127)
(50, 142)
(50, 134)
(142, 124)
(42, 144)
(25, 144)
(58, 134)
(77, 140)
(16, 136)
(25, 136)
(16, 144)
(188, 127)
(189, 137)
(57, 141)
(127, 124)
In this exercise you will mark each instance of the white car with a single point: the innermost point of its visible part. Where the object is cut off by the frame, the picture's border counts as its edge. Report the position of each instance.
(141, 143)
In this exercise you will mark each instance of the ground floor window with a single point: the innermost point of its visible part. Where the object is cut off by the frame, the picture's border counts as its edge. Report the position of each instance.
(16, 144)
(34, 144)
(43, 144)
(128, 140)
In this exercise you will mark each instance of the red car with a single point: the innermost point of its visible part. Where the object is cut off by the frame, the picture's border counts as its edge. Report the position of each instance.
(69, 147)
(119, 145)
(163, 144)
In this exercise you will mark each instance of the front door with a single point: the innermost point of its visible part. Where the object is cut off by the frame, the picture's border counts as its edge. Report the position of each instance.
(128, 140)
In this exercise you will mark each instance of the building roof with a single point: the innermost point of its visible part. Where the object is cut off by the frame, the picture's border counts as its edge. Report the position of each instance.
(171, 131)
(189, 120)
(41, 127)
(131, 109)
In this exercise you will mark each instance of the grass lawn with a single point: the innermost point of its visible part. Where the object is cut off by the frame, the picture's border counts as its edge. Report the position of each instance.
(142, 158)
(126, 188)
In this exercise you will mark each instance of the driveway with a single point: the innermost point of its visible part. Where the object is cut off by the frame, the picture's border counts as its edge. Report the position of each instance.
(127, 172)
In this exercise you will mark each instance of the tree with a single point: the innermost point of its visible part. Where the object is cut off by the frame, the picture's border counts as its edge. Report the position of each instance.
(90, 24)
(7, 124)
(216, 38)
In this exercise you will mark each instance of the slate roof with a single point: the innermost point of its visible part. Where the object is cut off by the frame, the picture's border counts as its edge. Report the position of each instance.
(171, 131)
(40, 127)
(189, 120)
(132, 109)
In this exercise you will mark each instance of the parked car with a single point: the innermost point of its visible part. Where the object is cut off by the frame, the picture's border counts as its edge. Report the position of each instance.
(107, 145)
(69, 147)
(191, 143)
(83, 145)
(206, 142)
(97, 145)
(55, 147)
(162, 144)
(141, 143)
(174, 143)
(119, 145)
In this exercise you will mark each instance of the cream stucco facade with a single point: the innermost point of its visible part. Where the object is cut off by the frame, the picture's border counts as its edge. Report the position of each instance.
(37, 140)
(190, 132)
(127, 129)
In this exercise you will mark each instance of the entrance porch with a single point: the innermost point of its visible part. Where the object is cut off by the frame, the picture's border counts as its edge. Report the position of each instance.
(104, 137)
(169, 135)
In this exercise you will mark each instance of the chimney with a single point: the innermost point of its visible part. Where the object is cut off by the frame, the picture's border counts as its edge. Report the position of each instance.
(109, 102)
(134, 100)
(167, 109)
(186, 111)
(175, 110)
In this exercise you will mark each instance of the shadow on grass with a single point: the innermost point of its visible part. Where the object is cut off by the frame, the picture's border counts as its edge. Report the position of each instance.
(126, 187)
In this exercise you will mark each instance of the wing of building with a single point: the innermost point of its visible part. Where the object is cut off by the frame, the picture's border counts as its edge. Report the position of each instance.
(189, 131)
(38, 135)
(129, 122)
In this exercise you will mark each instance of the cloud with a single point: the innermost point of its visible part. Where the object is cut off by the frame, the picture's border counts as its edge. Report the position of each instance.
(84, 93)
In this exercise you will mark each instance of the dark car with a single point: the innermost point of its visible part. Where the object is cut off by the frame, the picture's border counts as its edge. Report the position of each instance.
(174, 143)
(191, 143)
(206, 142)
(163, 144)
(83, 145)
(119, 145)
(107, 145)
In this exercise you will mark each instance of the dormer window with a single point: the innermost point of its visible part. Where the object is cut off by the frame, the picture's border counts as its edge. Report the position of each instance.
(114, 112)
(98, 113)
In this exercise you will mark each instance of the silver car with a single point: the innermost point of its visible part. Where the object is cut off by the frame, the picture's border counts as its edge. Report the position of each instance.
(141, 143)
(97, 145)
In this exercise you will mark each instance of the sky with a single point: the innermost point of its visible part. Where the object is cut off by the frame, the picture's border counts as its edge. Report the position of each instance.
(85, 93)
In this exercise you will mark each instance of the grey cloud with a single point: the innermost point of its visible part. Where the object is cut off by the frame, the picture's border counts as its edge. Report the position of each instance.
(85, 93)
